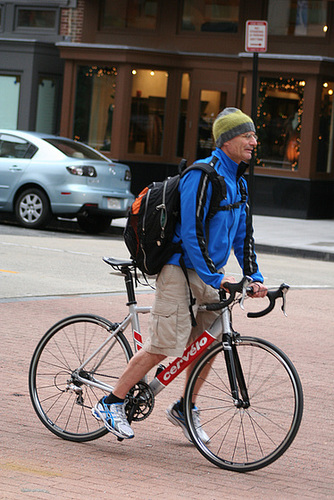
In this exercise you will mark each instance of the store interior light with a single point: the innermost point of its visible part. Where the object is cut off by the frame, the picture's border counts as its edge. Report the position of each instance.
(152, 73)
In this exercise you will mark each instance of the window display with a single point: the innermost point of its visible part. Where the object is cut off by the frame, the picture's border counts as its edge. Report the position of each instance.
(94, 105)
(279, 122)
(212, 102)
(149, 90)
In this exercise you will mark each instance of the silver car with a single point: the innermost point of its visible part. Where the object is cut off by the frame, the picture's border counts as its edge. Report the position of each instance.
(45, 175)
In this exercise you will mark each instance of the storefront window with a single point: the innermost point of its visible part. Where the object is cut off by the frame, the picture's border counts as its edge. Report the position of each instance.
(297, 17)
(243, 91)
(46, 106)
(279, 122)
(9, 101)
(136, 14)
(94, 105)
(36, 18)
(326, 129)
(212, 102)
(149, 89)
(210, 15)
(185, 86)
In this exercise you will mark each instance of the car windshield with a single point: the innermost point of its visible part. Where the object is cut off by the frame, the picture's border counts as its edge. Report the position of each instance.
(75, 149)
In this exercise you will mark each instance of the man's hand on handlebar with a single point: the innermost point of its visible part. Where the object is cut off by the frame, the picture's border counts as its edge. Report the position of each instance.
(259, 290)
(227, 279)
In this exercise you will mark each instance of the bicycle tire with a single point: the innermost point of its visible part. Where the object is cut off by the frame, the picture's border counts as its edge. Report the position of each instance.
(245, 439)
(64, 411)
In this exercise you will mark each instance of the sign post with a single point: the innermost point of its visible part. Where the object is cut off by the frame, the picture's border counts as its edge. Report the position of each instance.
(255, 41)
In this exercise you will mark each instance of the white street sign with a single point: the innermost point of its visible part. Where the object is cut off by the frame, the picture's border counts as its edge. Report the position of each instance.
(256, 36)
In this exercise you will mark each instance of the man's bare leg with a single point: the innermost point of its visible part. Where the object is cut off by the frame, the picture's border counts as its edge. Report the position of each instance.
(137, 368)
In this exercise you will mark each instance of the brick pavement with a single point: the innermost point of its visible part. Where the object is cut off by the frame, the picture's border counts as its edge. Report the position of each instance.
(159, 463)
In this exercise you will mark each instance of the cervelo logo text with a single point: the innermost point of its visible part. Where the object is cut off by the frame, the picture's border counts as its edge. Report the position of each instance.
(191, 353)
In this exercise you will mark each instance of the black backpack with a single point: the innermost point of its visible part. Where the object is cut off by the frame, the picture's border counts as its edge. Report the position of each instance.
(150, 226)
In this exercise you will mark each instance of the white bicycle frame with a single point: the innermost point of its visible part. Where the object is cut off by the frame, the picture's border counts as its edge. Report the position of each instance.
(167, 375)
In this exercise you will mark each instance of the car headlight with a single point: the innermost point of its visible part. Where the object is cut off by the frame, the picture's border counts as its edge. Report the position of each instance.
(82, 170)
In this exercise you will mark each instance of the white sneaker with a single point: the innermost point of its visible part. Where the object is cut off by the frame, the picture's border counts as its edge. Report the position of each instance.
(176, 417)
(114, 418)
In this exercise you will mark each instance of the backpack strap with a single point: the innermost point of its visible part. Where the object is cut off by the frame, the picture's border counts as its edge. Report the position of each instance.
(238, 204)
(192, 299)
(219, 191)
(218, 184)
(243, 190)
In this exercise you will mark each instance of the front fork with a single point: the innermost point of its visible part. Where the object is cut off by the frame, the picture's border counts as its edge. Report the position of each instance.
(235, 374)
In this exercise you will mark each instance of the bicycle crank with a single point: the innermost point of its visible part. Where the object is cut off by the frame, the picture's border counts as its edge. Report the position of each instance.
(139, 402)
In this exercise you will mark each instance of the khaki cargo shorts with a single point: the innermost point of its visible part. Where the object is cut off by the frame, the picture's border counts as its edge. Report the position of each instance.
(170, 329)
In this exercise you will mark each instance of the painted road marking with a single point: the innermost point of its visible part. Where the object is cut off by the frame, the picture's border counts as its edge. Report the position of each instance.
(35, 247)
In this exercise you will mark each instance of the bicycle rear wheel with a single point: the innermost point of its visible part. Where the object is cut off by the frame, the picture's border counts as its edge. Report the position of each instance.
(61, 402)
(245, 439)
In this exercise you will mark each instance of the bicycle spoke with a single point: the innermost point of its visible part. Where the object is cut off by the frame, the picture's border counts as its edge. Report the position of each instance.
(252, 437)
(75, 347)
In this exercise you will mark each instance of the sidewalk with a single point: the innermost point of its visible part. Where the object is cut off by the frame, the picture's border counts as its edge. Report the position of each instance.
(295, 237)
(312, 239)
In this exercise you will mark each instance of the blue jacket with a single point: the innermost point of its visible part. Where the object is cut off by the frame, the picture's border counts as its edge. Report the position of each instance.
(206, 243)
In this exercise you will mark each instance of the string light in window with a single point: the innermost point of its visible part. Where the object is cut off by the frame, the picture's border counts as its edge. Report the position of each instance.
(289, 85)
(101, 71)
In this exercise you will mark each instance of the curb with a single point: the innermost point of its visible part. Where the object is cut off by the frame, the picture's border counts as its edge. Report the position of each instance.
(295, 252)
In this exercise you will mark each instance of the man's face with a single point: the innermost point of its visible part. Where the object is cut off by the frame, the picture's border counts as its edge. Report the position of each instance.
(240, 148)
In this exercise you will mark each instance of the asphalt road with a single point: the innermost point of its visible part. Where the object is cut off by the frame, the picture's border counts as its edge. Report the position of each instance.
(65, 261)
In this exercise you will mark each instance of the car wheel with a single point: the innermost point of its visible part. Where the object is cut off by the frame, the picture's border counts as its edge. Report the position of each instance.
(94, 224)
(32, 208)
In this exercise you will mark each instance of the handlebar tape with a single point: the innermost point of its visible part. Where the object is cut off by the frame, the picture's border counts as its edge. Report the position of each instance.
(233, 288)
(272, 296)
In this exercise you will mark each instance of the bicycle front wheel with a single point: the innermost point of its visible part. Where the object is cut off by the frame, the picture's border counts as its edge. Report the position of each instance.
(61, 401)
(245, 439)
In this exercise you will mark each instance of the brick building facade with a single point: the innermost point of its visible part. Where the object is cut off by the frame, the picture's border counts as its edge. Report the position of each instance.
(143, 80)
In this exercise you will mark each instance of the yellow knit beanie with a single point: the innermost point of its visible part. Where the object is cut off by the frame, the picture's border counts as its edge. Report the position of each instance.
(230, 123)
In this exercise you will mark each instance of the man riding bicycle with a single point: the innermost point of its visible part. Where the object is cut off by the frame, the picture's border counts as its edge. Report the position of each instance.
(206, 245)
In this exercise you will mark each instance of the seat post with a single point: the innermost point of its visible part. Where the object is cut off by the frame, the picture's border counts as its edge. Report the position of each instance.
(129, 285)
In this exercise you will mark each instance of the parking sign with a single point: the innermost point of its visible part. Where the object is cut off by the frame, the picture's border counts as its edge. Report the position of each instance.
(256, 36)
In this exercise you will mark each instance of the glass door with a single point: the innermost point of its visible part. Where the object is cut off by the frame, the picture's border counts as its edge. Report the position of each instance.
(212, 102)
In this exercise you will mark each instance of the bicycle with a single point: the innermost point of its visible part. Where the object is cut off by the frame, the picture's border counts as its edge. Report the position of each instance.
(248, 391)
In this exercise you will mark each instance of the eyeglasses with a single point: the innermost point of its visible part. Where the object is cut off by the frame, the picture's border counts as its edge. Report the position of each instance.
(249, 136)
